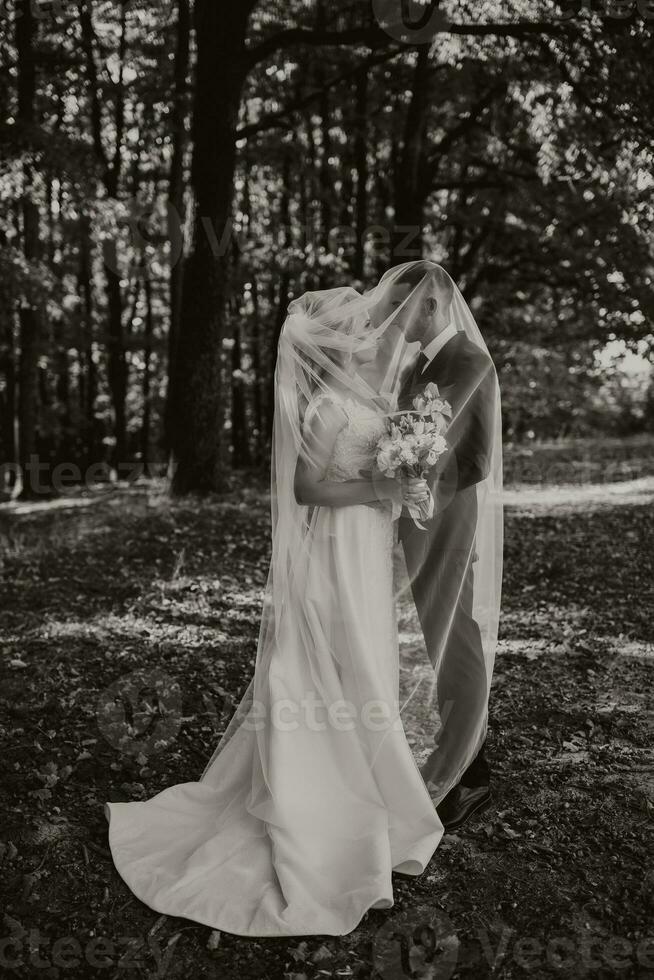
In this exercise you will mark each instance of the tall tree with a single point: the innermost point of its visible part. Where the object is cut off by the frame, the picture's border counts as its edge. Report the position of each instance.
(176, 191)
(29, 318)
(111, 165)
(361, 163)
(197, 396)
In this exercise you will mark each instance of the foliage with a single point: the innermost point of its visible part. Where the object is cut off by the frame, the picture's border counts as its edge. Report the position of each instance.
(523, 158)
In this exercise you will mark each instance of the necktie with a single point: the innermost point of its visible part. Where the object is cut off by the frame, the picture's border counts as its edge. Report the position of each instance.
(423, 360)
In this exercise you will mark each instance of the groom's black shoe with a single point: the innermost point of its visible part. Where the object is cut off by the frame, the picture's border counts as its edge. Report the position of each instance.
(461, 803)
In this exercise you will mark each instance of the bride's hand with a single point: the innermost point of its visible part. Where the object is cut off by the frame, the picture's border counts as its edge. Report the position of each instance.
(415, 490)
(388, 489)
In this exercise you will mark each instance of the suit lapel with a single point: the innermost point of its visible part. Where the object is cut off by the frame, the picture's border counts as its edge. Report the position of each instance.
(438, 369)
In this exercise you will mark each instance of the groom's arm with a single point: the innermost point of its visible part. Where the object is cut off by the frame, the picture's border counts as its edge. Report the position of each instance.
(470, 389)
(474, 440)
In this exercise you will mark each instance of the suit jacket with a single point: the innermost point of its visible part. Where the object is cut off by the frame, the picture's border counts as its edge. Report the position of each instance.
(466, 378)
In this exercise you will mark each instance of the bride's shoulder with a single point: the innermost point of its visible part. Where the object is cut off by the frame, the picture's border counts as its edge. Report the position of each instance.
(327, 408)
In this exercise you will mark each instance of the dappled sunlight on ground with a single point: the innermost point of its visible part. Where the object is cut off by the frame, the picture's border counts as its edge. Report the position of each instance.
(107, 631)
(588, 496)
(128, 634)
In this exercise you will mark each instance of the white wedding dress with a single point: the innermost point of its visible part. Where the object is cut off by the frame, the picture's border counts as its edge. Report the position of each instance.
(344, 807)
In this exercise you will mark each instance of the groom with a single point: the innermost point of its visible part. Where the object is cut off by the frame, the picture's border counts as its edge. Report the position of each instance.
(440, 558)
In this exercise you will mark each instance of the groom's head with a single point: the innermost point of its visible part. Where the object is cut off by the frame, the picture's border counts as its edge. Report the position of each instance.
(415, 299)
(428, 293)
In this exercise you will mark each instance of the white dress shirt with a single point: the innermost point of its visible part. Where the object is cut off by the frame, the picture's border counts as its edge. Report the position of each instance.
(439, 341)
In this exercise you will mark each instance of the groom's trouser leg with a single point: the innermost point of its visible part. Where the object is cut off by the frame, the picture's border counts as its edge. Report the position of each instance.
(441, 569)
(462, 692)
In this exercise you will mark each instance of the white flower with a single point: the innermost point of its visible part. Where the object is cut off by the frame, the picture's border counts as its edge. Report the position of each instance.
(440, 407)
(439, 445)
(430, 403)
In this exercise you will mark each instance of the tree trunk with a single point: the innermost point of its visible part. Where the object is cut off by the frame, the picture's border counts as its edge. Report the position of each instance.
(176, 211)
(284, 283)
(409, 192)
(147, 357)
(240, 442)
(8, 395)
(361, 163)
(30, 327)
(111, 172)
(88, 376)
(257, 367)
(198, 403)
(65, 447)
(310, 191)
(325, 176)
(117, 372)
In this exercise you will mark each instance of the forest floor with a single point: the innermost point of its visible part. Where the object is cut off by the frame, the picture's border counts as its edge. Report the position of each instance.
(553, 880)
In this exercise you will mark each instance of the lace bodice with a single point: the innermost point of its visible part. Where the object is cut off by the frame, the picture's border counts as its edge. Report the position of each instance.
(356, 443)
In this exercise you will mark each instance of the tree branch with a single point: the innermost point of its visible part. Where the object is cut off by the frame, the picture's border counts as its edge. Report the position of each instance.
(471, 120)
(374, 36)
(497, 165)
(273, 120)
(462, 184)
(369, 36)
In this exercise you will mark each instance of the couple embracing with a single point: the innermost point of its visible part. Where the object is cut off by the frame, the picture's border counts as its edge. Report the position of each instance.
(386, 524)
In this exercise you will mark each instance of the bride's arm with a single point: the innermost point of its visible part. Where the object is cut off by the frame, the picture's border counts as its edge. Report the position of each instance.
(311, 489)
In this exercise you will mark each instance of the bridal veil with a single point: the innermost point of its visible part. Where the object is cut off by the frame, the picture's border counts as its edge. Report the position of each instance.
(447, 573)
(313, 796)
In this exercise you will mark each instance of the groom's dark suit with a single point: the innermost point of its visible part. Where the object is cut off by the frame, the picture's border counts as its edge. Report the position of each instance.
(440, 559)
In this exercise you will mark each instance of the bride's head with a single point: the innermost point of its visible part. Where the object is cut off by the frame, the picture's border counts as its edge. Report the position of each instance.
(331, 329)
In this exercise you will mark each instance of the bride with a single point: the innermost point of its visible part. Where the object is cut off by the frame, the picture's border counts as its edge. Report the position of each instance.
(312, 797)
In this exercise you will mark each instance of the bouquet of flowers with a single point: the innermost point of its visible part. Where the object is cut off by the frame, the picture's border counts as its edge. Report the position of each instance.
(414, 443)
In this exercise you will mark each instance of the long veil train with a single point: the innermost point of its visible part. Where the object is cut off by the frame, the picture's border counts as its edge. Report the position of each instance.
(312, 797)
